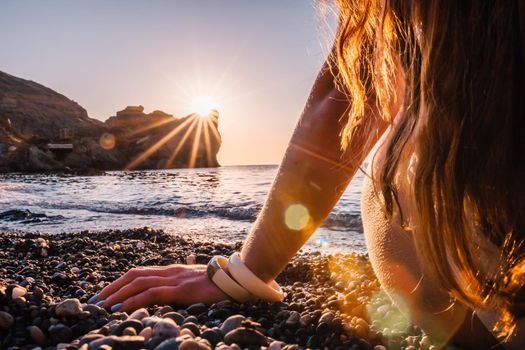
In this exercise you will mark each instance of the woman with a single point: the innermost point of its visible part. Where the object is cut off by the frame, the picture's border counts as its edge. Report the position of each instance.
(436, 84)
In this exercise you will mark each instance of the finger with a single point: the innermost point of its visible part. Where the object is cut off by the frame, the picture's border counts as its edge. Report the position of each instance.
(152, 296)
(135, 287)
(129, 276)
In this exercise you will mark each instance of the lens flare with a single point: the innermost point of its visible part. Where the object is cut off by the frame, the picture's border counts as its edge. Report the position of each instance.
(107, 141)
(296, 217)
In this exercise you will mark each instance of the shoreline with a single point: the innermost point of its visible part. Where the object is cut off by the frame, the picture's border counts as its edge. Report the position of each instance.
(333, 301)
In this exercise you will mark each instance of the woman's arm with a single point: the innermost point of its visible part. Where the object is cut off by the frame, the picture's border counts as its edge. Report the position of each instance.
(311, 178)
(313, 175)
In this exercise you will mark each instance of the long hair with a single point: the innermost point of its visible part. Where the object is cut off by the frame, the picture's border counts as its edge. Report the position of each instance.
(464, 109)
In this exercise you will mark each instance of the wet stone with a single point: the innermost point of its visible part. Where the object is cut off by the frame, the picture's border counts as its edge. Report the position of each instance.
(130, 323)
(95, 311)
(6, 320)
(197, 309)
(293, 319)
(37, 336)
(60, 333)
(169, 344)
(192, 327)
(231, 323)
(213, 336)
(175, 316)
(245, 337)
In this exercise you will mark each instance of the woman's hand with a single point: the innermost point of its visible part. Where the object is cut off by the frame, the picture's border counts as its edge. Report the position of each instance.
(172, 284)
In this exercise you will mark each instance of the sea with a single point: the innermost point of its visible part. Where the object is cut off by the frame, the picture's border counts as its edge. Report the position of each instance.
(218, 204)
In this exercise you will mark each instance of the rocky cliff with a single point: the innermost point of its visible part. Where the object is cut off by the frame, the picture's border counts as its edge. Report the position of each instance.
(42, 130)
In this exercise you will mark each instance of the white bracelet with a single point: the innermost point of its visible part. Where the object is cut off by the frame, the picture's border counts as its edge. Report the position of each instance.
(253, 284)
(224, 282)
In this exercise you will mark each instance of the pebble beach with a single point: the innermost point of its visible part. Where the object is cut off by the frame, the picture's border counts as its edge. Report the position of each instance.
(332, 301)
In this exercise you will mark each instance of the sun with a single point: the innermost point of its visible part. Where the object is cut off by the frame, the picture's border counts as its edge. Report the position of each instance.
(203, 105)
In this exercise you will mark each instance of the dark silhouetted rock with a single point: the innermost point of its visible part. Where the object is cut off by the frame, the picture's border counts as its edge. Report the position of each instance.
(44, 131)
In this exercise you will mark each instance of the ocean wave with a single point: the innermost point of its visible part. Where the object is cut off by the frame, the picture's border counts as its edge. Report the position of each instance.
(233, 212)
(26, 216)
(337, 221)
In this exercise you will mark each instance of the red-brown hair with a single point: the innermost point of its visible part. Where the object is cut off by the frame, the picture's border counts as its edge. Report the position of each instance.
(464, 65)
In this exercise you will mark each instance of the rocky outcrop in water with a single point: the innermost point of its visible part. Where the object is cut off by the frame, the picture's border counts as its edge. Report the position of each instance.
(44, 131)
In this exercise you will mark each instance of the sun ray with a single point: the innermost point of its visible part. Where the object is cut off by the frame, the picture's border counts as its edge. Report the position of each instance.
(207, 143)
(196, 141)
(137, 161)
(181, 143)
(149, 127)
(213, 128)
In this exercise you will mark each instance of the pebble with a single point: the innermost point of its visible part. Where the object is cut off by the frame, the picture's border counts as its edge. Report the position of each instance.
(327, 317)
(169, 344)
(166, 327)
(380, 347)
(293, 319)
(6, 320)
(245, 337)
(197, 309)
(275, 345)
(60, 333)
(136, 325)
(191, 259)
(139, 314)
(18, 292)
(175, 316)
(231, 323)
(192, 327)
(146, 332)
(212, 336)
(69, 308)
(190, 344)
(37, 335)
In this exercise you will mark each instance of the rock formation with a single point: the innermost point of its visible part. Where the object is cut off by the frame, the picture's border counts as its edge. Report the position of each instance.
(42, 130)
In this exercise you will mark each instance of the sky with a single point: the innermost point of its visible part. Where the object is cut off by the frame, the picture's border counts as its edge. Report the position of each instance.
(256, 59)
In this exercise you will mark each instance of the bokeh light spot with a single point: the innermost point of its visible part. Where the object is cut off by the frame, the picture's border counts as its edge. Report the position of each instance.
(107, 141)
(296, 217)
(388, 313)
(321, 242)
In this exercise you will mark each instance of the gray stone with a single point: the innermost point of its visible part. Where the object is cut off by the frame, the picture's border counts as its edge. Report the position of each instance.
(95, 311)
(245, 337)
(6, 320)
(175, 316)
(197, 309)
(327, 317)
(128, 342)
(60, 333)
(69, 308)
(136, 324)
(293, 319)
(139, 314)
(212, 335)
(166, 327)
(231, 323)
(37, 336)
(191, 344)
(169, 344)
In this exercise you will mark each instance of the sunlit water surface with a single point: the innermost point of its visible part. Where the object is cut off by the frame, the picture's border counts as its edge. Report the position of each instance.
(219, 204)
